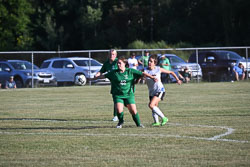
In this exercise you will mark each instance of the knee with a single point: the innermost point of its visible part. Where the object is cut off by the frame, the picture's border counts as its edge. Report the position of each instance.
(133, 111)
(132, 108)
(151, 106)
(119, 108)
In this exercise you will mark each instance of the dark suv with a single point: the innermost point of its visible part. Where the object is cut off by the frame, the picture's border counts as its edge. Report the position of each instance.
(216, 64)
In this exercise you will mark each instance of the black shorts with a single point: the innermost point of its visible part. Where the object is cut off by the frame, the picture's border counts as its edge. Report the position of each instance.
(158, 94)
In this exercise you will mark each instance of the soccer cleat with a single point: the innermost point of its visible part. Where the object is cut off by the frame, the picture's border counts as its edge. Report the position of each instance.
(164, 121)
(115, 119)
(119, 125)
(156, 124)
(141, 126)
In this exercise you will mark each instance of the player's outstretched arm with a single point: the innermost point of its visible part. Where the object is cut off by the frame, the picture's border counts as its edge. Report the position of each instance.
(98, 74)
(171, 73)
(149, 76)
(97, 77)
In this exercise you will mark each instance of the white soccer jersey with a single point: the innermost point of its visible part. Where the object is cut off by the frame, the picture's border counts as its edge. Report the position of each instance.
(154, 87)
(132, 62)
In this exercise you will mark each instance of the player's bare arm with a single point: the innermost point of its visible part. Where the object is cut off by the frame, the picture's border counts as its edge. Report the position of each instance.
(100, 76)
(172, 73)
(149, 76)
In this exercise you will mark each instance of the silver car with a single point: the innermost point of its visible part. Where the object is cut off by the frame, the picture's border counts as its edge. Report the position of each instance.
(77, 70)
(177, 64)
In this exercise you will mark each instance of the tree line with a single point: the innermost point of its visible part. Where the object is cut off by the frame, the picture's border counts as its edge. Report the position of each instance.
(103, 24)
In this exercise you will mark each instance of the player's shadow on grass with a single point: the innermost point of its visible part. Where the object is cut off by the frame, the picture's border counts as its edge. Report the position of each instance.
(58, 128)
(47, 127)
(33, 119)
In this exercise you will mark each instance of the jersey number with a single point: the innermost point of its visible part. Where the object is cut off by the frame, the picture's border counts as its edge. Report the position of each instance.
(123, 82)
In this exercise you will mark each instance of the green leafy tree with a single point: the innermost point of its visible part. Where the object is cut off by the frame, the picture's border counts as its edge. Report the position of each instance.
(102, 24)
(14, 25)
(65, 23)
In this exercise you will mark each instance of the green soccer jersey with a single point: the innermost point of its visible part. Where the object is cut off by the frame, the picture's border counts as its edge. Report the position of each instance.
(122, 84)
(144, 60)
(107, 67)
(165, 61)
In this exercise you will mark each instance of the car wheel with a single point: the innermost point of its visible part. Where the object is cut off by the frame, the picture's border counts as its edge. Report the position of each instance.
(80, 80)
(19, 82)
(60, 83)
(29, 84)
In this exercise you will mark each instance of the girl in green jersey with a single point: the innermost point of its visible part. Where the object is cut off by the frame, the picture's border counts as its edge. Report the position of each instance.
(122, 89)
(109, 65)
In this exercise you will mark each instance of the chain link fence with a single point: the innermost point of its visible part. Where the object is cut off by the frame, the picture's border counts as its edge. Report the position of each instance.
(37, 57)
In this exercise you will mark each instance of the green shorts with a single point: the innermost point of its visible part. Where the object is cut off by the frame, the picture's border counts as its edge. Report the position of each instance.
(124, 100)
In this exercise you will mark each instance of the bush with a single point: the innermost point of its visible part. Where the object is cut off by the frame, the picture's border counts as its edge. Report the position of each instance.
(138, 44)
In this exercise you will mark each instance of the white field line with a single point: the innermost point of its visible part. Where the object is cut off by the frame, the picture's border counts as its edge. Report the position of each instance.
(214, 138)
(229, 130)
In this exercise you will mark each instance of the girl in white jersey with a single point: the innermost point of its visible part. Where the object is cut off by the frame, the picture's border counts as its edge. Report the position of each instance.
(156, 89)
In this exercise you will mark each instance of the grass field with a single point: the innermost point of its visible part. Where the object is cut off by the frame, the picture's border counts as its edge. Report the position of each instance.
(209, 125)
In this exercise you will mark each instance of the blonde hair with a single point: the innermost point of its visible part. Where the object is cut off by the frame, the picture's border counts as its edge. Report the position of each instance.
(113, 50)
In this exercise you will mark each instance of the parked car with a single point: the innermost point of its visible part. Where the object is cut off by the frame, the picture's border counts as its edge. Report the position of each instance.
(216, 64)
(178, 64)
(22, 72)
(246, 64)
(76, 70)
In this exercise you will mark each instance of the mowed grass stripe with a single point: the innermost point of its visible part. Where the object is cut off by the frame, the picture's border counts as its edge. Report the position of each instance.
(85, 136)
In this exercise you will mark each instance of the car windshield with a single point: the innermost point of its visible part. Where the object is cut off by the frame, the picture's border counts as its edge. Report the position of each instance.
(176, 59)
(45, 64)
(229, 55)
(245, 60)
(22, 65)
(87, 62)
